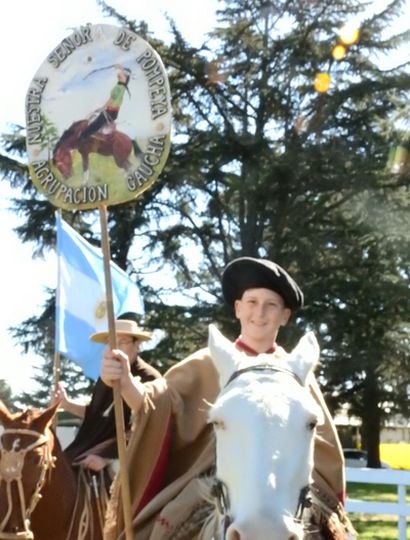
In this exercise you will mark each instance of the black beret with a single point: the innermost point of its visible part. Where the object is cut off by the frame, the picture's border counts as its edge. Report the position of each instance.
(129, 316)
(249, 273)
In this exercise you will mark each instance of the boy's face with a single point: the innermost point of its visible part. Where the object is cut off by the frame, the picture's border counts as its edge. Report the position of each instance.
(261, 313)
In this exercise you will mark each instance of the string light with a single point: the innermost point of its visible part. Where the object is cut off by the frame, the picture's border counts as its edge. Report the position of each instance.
(339, 52)
(349, 34)
(322, 82)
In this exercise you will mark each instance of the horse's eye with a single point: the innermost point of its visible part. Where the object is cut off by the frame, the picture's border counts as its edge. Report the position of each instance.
(312, 424)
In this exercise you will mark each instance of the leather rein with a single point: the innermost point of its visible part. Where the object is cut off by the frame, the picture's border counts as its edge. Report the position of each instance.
(219, 489)
(11, 469)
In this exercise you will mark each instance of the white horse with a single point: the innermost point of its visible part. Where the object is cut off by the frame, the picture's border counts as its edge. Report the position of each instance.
(264, 420)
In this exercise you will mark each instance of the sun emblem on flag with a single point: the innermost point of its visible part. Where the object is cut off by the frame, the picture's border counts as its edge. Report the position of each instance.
(100, 311)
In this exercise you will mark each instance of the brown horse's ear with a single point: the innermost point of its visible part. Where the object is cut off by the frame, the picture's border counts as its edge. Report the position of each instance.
(45, 418)
(5, 415)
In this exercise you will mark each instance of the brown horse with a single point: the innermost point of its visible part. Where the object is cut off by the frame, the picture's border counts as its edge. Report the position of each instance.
(41, 496)
(115, 144)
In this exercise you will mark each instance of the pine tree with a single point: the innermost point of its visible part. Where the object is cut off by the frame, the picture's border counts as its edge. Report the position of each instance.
(6, 395)
(36, 335)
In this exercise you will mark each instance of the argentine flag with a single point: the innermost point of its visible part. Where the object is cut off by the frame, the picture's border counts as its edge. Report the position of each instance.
(81, 302)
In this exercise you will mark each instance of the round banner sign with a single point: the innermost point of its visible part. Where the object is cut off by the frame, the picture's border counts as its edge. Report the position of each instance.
(98, 115)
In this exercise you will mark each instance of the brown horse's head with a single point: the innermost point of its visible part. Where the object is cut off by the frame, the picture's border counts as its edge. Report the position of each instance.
(68, 141)
(26, 445)
(63, 161)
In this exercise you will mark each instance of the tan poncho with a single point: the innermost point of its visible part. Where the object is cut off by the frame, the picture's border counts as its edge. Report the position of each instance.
(174, 420)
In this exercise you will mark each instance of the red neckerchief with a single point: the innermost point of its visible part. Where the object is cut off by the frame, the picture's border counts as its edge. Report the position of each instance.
(241, 345)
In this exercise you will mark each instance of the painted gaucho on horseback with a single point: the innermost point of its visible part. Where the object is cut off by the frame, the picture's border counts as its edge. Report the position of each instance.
(98, 134)
(103, 119)
(97, 116)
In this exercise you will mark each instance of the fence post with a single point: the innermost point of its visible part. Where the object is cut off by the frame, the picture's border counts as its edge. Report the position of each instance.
(399, 478)
(401, 495)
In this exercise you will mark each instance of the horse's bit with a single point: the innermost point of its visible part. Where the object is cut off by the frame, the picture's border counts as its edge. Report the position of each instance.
(219, 489)
(11, 467)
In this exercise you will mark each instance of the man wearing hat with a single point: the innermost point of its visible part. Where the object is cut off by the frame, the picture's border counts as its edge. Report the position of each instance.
(172, 436)
(95, 444)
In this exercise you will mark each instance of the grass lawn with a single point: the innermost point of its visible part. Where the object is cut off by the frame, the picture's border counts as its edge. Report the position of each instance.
(375, 527)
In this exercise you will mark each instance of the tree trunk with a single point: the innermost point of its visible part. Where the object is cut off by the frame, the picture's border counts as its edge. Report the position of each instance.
(371, 423)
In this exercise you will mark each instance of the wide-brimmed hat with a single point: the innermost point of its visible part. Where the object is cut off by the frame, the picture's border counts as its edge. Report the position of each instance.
(124, 326)
(250, 273)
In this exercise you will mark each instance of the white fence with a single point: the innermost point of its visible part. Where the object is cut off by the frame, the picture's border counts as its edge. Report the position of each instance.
(382, 476)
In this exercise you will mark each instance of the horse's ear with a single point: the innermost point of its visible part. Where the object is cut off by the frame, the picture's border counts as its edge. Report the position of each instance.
(305, 356)
(5, 415)
(223, 353)
(44, 419)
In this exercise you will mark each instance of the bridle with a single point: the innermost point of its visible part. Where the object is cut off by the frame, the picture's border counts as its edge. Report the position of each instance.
(219, 489)
(11, 468)
(263, 368)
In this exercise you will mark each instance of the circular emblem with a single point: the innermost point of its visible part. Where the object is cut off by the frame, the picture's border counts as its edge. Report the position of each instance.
(100, 311)
(98, 114)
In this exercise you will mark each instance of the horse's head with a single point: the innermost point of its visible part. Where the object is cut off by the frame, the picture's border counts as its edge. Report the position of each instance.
(63, 161)
(264, 419)
(68, 141)
(25, 457)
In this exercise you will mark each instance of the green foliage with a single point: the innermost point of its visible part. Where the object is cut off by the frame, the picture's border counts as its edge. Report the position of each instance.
(76, 384)
(6, 394)
(36, 334)
(49, 134)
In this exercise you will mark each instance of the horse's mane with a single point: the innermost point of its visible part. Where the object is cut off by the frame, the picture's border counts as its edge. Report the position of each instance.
(211, 526)
(69, 132)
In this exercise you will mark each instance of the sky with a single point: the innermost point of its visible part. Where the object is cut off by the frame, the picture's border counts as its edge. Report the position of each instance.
(29, 31)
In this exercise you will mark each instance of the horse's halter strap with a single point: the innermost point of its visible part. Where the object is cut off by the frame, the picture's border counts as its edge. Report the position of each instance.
(303, 502)
(264, 368)
(220, 489)
(11, 467)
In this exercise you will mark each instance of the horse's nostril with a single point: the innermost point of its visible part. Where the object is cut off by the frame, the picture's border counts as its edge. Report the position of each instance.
(233, 534)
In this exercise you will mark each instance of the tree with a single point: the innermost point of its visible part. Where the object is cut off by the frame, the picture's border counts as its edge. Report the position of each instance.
(6, 394)
(263, 164)
(36, 334)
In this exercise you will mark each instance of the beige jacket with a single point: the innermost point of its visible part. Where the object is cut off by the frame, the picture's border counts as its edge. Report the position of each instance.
(172, 430)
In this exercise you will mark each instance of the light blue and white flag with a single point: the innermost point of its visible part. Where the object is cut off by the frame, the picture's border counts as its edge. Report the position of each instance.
(81, 301)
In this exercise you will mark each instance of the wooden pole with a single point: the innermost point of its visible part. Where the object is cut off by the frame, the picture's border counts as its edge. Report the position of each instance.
(57, 356)
(56, 373)
(118, 409)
